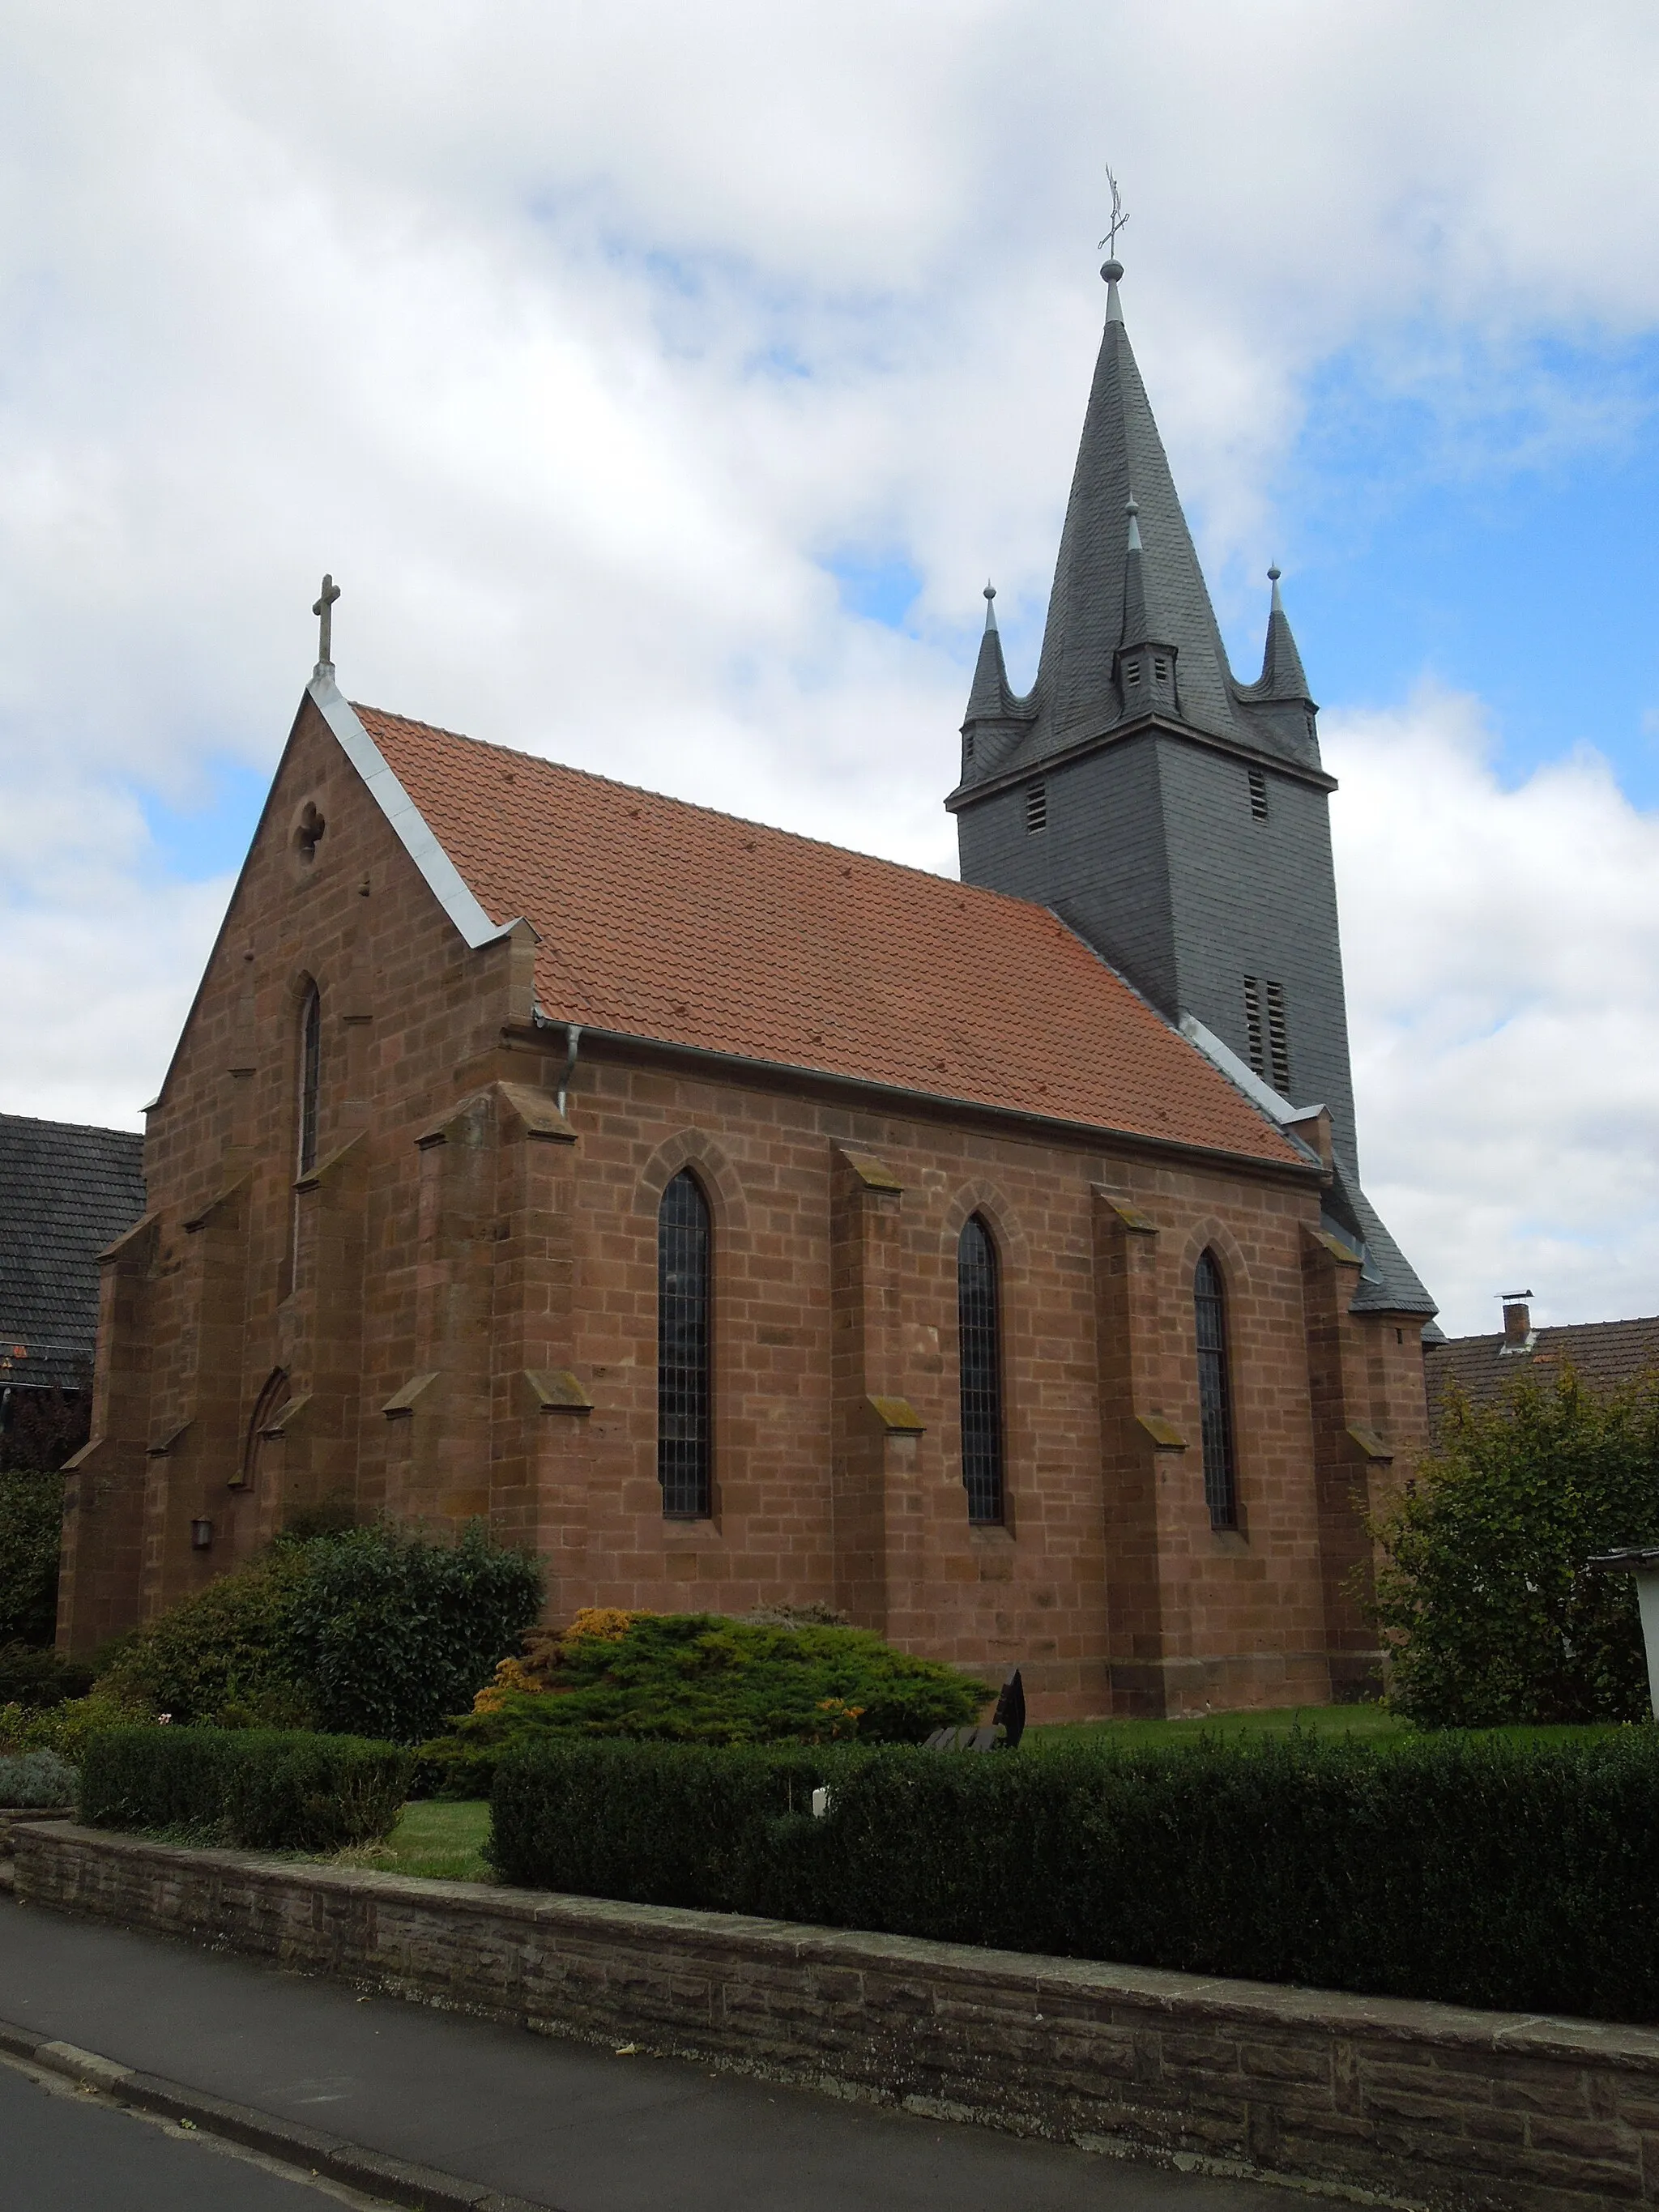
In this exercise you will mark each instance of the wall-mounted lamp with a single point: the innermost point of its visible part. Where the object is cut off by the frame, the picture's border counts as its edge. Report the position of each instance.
(201, 1535)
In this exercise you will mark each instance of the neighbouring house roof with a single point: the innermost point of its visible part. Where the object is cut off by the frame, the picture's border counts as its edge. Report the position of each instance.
(1602, 1354)
(65, 1193)
(669, 922)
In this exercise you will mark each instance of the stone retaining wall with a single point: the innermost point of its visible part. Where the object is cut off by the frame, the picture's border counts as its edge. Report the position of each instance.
(1422, 2104)
(9, 1817)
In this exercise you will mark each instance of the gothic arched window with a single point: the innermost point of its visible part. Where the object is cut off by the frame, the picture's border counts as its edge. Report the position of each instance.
(1214, 1395)
(311, 1064)
(682, 1350)
(979, 1323)
(270, 1404)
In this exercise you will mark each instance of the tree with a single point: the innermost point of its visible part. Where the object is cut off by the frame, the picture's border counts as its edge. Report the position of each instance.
(42, 1428)
(31, 1526)
(1482, 1592)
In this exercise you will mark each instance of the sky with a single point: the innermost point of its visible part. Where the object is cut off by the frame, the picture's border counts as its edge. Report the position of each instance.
(662, 385)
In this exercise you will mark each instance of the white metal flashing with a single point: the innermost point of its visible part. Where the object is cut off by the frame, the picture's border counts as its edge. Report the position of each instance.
(1258, 1093)
(443, 878)
(1262, 1095)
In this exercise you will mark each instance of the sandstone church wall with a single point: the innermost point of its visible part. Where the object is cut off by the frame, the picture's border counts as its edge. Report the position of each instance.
(454, 1312)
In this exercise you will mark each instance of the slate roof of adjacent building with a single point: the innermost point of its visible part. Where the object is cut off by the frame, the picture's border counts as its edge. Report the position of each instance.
(65, 1193)
(1098, 597)
(1603, 1354)
(669, 922)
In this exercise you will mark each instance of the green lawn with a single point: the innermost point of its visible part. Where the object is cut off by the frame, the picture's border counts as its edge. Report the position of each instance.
(1370, 1723)
(443, 1842)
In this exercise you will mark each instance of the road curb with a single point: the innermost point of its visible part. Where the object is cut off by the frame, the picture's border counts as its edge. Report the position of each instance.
(398, 2180)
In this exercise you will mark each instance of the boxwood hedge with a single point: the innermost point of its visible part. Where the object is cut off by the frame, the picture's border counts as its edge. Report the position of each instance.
(259, 1789)
(1476, 1871)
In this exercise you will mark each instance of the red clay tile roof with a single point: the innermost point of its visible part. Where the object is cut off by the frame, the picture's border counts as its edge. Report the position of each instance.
(1601, 1353)
(666, 920)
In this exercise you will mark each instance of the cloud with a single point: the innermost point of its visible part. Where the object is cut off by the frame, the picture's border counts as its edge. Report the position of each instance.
(590, 347)
(1502, 953)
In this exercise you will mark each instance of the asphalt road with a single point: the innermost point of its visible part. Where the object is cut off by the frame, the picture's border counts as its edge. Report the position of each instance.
(561, 2124)
(61, 2150)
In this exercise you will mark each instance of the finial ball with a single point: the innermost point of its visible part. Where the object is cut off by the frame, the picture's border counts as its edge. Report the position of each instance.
(990, 591)
(1111, 271)
(1132, 505)
(1272, 576)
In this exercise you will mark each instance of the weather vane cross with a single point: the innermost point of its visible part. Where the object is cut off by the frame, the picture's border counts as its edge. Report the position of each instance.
(1118, 217)
(324, 611)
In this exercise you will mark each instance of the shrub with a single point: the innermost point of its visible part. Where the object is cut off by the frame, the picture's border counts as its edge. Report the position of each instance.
(1488, 1873)
(261, 1789)
(1481, 1590)
(31, 1529)
(392, 1633)
(36, 1778)
(37, 1678)
(64, 1728)
(369, 1631)
(700, 1678)
(220, 1652)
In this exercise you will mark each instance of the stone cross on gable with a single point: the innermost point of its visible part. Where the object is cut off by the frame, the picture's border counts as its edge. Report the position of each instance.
(324, 610)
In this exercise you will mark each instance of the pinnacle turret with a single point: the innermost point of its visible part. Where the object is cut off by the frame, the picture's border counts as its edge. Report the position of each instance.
(1281, 663)
(988, 701)
(1146, 652)
(993, 716)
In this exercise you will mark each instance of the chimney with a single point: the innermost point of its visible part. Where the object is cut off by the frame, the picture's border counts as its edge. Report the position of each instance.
(1313, 1126)
(1517, 1321)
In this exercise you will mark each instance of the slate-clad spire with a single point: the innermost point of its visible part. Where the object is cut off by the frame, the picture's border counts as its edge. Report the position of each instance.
(1120, 456)
(1097, 591)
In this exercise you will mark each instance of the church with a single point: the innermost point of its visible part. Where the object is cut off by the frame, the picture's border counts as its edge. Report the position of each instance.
(737, 1220)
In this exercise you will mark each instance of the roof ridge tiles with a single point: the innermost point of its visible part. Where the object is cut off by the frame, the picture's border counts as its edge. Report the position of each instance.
(908, 868)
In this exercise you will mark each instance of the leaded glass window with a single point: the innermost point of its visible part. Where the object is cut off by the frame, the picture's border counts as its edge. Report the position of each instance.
(682, 1350)
(1214, 1395)
(980, 1330)
(311, 1064)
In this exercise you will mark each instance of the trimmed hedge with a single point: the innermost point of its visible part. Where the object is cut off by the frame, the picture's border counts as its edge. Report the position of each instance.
(258, 1788)
(1480, 1872)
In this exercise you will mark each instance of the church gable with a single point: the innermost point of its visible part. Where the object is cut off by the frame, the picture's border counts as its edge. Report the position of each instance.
(330, 898)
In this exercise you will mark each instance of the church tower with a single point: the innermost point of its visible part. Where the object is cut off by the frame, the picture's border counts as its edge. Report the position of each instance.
(1176, 819)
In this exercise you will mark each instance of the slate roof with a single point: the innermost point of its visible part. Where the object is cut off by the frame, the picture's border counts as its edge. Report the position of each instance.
(65, 1193)
(662, 919)
(1602, 1354)
(1075, 696)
